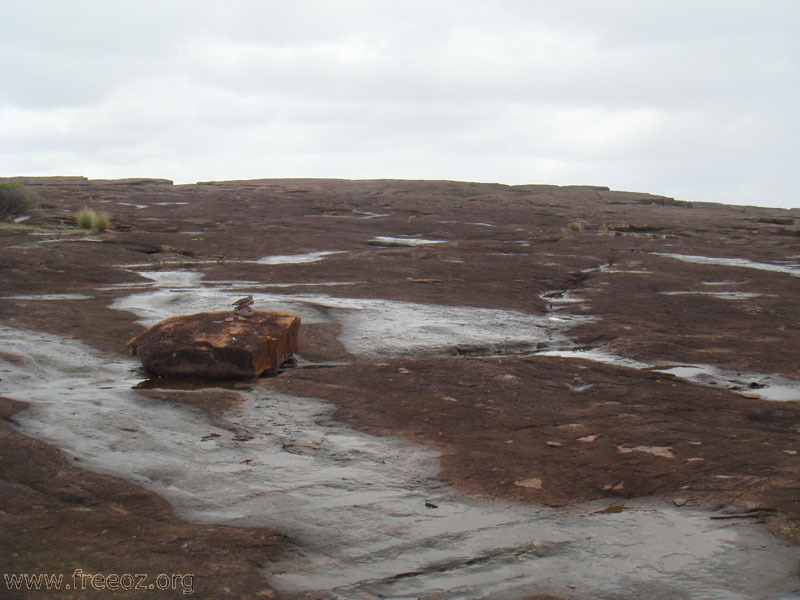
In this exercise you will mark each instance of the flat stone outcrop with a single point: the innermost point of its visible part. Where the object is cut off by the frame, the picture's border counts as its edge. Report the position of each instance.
(218, 345)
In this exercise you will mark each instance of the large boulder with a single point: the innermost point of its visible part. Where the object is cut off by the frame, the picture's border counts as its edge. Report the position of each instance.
(218, 345)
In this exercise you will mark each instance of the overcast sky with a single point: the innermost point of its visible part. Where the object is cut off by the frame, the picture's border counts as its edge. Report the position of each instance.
(693, 99)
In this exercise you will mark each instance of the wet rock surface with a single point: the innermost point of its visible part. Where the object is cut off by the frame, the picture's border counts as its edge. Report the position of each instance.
(58, 517)
(558, 432)
(218, 345)
(668, 287)
(367, 515)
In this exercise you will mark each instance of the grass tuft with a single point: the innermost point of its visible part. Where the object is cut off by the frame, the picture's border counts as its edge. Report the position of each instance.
(574, 226)
(101, 221)
(95, 220)
(85, 218)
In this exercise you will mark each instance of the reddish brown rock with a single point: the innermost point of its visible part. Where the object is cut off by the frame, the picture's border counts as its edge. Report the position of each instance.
(634, 227)
(777, 220)
(217, 346)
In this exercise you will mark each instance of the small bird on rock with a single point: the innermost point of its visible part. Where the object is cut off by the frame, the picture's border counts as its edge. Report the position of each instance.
(243, 307)
(246, 301)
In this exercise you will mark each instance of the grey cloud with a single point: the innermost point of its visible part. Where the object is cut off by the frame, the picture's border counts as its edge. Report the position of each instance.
(685, 98)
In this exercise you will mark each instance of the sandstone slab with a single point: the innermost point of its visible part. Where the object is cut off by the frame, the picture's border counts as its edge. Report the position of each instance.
(216, 345)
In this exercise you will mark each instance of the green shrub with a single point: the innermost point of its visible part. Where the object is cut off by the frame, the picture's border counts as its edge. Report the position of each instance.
(100, 221)
(89, 219)
(16, 199)
(85, 218)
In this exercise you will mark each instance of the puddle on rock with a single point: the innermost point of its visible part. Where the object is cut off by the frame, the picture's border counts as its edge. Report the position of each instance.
(370, 327)
(475, 223)
(361, 507)
(721, 295)
(767, 387)
(174, 279)
(277, 259)
(293, 259)
(370, 215)
(308, 284)
(383, 328)
(56, 240)
(609, 268)
(596, 355)
(178, 262)
(381, 240)
(49, 297)
(733, 262)
(85, 238)
(560, 297)
(359, 214)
